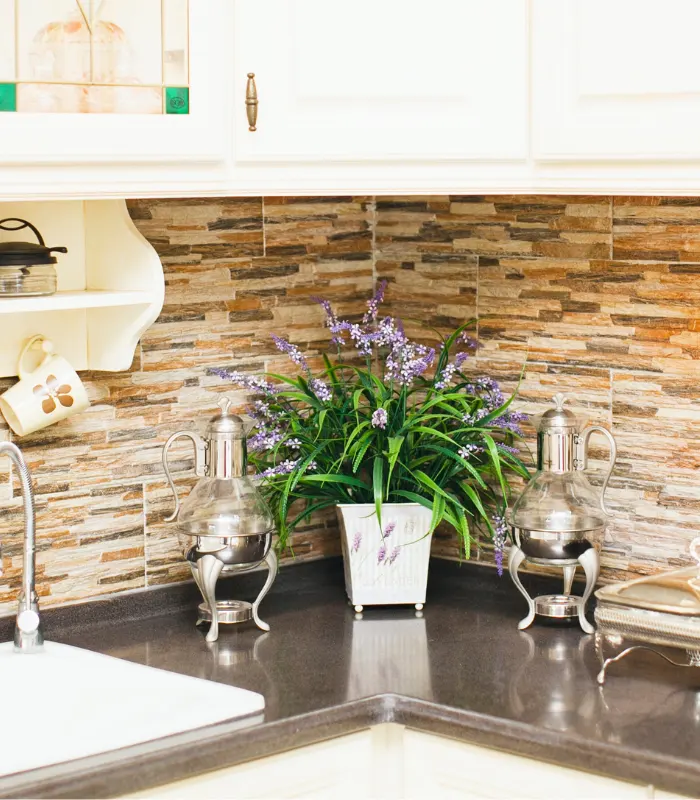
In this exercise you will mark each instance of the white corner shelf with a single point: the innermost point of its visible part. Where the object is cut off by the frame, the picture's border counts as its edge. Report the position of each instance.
(70, 301)
(110, 286)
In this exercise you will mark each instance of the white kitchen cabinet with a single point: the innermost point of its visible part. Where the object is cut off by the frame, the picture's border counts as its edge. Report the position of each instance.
(358, 82)
(390, 761)
(45, 155)
(616, 83)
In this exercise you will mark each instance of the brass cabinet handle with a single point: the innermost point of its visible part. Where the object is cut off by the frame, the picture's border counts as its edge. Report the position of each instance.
(251, 102)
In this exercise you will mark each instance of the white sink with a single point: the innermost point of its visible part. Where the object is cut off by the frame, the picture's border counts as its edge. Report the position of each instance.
(66, 703)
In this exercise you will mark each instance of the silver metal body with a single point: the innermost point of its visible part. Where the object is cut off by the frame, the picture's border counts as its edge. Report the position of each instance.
(28, 635)
(215, 545)
(561, 449)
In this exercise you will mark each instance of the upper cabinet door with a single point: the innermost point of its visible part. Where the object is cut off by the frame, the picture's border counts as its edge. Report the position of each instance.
(616, 81)
(92, 88)
(382, 80)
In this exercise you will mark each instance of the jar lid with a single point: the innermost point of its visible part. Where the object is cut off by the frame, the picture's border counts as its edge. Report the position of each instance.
(225, 423)
(558, 417)
(17, 254)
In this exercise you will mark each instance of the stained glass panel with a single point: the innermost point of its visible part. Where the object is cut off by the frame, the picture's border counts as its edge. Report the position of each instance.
(94, 56)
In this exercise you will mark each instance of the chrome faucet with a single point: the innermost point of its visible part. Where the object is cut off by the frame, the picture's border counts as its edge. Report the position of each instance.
(28, 635)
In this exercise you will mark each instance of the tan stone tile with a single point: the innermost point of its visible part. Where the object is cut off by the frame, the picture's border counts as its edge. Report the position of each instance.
(559, 227)
(649, 530)
(89, 544)
(657, 426)
(201, 229)
(599, 313)
(337, 227)
(656, 228)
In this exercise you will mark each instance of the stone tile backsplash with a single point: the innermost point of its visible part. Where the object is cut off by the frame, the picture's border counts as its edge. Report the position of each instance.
(599, 297)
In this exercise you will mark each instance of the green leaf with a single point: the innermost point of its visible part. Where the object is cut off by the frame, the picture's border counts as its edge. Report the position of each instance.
(363, 446)
(496, 460)
(474, 497)
(377, 480)
(395, 443)
(347, 480)
(438, 512)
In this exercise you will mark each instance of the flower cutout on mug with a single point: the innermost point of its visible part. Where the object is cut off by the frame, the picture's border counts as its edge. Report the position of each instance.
(52, 391)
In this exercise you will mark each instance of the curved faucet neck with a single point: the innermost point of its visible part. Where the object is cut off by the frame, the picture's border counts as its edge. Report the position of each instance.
(28, 635)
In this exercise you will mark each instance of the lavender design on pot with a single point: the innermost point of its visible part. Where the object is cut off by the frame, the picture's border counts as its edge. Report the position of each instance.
(398, 435)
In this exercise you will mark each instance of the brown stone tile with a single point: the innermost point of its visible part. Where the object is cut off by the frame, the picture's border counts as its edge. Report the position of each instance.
(601, 313)
(554, 227)
(649, 530)
(657, 426)
(199, 230)
(331, 227)
(656, 228)
(89, 544)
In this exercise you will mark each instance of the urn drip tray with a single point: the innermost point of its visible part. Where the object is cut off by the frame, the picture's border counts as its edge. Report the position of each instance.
(229, 612)
(557, 606)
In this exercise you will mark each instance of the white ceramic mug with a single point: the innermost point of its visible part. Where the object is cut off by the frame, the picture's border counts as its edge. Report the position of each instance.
(47, 394)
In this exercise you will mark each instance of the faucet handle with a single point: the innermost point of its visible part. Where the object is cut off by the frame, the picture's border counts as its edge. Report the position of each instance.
(28, 621)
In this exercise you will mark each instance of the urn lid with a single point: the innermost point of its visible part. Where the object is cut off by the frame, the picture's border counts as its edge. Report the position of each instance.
(558, 417)
(226, 424)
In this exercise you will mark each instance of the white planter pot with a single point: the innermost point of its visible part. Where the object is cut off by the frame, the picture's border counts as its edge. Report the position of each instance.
(390, 570)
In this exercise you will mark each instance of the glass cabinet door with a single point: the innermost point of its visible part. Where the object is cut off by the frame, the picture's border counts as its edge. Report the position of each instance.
(113, 80)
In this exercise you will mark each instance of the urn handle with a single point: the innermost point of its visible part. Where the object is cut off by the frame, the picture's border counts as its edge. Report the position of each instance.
(583, 439)
(200, 468)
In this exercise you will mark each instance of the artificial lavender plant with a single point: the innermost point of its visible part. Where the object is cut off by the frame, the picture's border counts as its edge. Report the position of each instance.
(407, 425)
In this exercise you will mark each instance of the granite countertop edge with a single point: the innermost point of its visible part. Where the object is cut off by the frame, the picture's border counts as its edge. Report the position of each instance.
(230, 744)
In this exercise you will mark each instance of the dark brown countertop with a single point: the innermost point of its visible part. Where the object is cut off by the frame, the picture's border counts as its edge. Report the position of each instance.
(463, 670)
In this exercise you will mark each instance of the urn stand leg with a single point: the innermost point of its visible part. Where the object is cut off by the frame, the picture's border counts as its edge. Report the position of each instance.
(195, 574)
(209, 570)
(271, 561)
(569, 572)
(590, 561)
(515, 559)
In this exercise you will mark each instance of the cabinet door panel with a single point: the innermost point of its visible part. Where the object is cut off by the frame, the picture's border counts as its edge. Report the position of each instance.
(144, 139)
(362, 80)
(616, 81)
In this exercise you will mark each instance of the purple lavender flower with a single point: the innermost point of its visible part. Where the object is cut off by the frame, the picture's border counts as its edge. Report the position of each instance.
(448, 373)
(510, 421)
(319, 388)
(256, 385)
(469, 450)
(291, 350)
(373, 304)
(445, 377)
(336, 326)
(312, 466)
(394, 555)
(264, 439)
(356, 542)
(508, 449)
(293, 444)
(470, 341)
(284, 468)
(381, 553)
(408, 361)
(500, 539)
(389, 528)
(379, 418)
